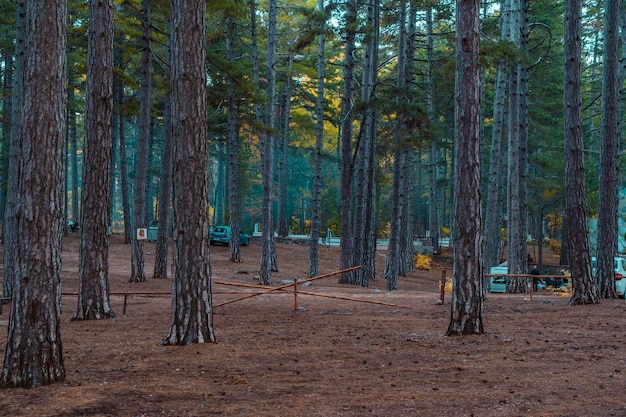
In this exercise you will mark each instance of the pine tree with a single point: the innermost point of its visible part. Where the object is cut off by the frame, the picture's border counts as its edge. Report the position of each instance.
(34, 352)
(192, 305)
(467, 292)
(93, 281)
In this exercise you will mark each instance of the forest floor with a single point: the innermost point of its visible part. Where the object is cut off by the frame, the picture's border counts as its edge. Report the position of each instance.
(330, 356)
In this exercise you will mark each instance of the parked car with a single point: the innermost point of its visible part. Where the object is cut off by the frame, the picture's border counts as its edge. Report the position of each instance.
(221, 235)
(619, 266)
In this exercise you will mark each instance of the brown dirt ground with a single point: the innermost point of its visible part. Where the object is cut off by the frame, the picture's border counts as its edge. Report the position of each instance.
(333, 357)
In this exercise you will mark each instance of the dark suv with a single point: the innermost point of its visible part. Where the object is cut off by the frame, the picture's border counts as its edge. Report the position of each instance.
(221, 235)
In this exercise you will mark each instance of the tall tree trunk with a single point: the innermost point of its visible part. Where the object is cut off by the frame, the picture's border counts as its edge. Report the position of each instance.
(433, 147)
(406, 243)
(10, 230)
(268, 253)
(608, 200)
(523, 134)
(593, 83)
(138, 273)
(360, 169)
(408, 209)
(124, 179)
(34, 352)
(120, 142)
(113, 173)
(219, 200)
(493, 212)
(7, 108)
(347, 234)
(467, 293)
(192, 305)
(516, 232)
(393, 253)
(368, 260)
(267, 250)
(165, 191)
(398, 198)
(151, 198)
(233, 149)
(622, 61)
(283, 196)
(73, 139)
(584, 289)
(93, 272)
(364, 248)
(319, 147)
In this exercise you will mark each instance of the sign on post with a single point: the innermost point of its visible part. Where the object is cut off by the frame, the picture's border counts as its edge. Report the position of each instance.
(142, 234)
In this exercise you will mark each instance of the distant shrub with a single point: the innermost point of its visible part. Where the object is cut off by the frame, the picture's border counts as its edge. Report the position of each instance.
(423, 262)
(385, 232)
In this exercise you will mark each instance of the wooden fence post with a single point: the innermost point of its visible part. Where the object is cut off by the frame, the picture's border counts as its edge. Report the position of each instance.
(442, 285)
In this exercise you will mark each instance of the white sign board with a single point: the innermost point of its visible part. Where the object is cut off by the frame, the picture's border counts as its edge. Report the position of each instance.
(142, 234)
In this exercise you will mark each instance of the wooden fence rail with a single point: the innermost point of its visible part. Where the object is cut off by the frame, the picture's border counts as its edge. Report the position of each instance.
(265, 290)
(529, 276)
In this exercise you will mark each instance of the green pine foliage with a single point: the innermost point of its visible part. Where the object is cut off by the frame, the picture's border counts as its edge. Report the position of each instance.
(299, 25)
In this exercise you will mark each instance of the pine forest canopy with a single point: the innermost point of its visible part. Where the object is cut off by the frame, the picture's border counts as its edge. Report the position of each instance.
(392, 120)
(298, 25)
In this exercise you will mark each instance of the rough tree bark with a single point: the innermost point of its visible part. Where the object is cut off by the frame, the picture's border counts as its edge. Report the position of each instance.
(72, 138)
(517, 207)
(120, 140)
(138, 273)
(9, 230)
(493, 211)
(271, 249)
(433, 146)
(34, 352)
(346, 248)
(192, 305)
(364, 241)
(119, 95)
(7, 110)
(283, 171)
(319, 147)
(398, 199)
(165, 192)
(406, 264)
(584, 290)
(268, 250)
(93, 271)
(233, 149)
(622, 59)
(467, 292)
(608, 199)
